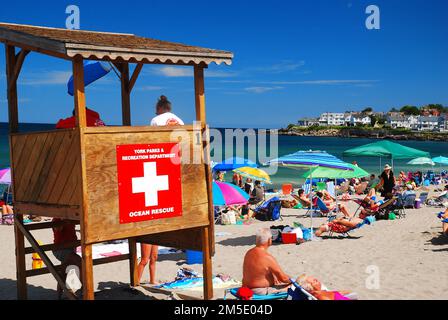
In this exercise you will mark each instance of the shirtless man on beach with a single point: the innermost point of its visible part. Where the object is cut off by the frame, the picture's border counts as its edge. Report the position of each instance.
(261, 272)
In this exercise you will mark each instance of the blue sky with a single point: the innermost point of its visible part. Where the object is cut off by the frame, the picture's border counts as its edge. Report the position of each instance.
(292, 58)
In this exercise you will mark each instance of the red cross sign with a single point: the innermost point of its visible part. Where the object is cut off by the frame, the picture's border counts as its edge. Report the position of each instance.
(149, 182)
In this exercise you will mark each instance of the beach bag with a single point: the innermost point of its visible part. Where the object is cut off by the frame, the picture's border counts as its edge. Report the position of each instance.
(8, 219)
(228, 217)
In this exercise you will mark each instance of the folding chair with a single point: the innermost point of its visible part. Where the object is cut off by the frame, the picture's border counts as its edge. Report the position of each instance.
(423, 197)
(319, 206)
(403, 202)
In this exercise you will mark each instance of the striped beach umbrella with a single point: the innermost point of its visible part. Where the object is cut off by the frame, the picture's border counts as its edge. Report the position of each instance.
(310, 159)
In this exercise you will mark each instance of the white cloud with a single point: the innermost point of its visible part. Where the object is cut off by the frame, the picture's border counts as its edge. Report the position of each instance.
(323, 82)
(46, 78)
(176, 72)
(259, 90)
(284, 66)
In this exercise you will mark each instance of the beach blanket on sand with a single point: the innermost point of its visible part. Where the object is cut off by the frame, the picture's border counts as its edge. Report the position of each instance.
(116, 249)
(196, 284)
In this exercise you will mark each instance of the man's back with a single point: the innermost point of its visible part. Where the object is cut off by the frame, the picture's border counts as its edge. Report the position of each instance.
(257, 269)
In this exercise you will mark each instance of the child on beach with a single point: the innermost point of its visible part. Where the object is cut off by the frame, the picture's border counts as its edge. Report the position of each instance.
(63, 234)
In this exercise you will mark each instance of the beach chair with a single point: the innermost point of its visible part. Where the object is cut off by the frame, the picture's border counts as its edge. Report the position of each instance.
(269, 210)
(321, 209)
(403, 202)
(368, 220)
(296, 292)
(423, 197)
(331, 189)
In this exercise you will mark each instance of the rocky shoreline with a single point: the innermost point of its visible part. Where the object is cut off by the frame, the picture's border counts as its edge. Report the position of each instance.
(364, 133)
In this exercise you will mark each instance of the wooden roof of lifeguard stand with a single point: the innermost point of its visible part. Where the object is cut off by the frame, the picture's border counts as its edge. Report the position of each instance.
(196, 228)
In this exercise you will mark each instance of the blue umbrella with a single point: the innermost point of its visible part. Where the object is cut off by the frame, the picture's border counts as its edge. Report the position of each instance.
(310, 159)
(234, 163)
(93, 70)
(441, 160)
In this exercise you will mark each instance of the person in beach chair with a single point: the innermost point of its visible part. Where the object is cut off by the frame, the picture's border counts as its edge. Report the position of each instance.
(440, 199)
(325, 207)
(343, 225)
(317, 290)
(380, 209)
(303, 199)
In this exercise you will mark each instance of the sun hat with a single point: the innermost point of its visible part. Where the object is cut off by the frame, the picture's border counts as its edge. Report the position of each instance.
(387, 167)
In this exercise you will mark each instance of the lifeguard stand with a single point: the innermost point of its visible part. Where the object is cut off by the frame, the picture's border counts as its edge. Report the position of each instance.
(72, 173)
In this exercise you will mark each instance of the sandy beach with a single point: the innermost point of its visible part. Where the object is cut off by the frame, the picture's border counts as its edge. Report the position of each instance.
(410, 255)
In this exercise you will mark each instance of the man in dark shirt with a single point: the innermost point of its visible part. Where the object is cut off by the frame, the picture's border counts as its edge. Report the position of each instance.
(387, 182)
(257, 194)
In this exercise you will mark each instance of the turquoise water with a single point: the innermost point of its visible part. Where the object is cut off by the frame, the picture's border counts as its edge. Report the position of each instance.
(286, 145)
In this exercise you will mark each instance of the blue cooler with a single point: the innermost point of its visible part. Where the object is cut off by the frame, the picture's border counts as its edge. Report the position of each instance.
(194, 257)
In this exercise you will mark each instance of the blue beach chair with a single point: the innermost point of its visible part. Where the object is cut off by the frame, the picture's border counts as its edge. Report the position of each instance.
(295, 293)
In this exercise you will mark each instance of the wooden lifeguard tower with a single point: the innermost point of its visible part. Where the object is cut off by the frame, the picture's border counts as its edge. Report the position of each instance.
(72, 173)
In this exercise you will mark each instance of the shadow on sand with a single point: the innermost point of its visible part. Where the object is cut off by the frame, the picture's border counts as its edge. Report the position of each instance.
(238, 242)
(8, 291)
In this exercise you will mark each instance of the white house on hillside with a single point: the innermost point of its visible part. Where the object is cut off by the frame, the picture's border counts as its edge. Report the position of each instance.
(430, 123)
(332, 119)
(402, 121)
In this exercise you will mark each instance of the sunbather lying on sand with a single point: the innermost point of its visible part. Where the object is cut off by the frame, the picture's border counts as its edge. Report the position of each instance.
(314, 287)
(261, 272)
(343, 225)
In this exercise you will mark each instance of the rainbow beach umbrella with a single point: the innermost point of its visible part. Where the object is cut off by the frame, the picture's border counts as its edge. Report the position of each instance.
(226, 194)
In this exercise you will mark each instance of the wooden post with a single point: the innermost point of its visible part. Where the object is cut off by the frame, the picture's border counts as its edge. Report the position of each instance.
(207, 265)
(125, 94)
(199, 93)
(207, 232)
(79, 92)
(12, 89)
(81, 123)
(22, 293)
(87, 272)
(133, 262)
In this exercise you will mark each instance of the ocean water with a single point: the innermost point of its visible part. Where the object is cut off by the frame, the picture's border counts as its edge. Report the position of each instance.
(287, 145)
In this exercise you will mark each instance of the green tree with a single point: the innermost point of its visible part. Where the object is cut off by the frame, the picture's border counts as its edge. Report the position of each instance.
(368, 109)
(393, 110)
(410, 110)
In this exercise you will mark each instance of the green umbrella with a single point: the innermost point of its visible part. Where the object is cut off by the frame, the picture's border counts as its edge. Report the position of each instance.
(386, 149)
(321, 172)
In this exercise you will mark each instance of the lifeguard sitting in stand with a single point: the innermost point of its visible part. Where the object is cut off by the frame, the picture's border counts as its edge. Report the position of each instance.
(93, 120)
